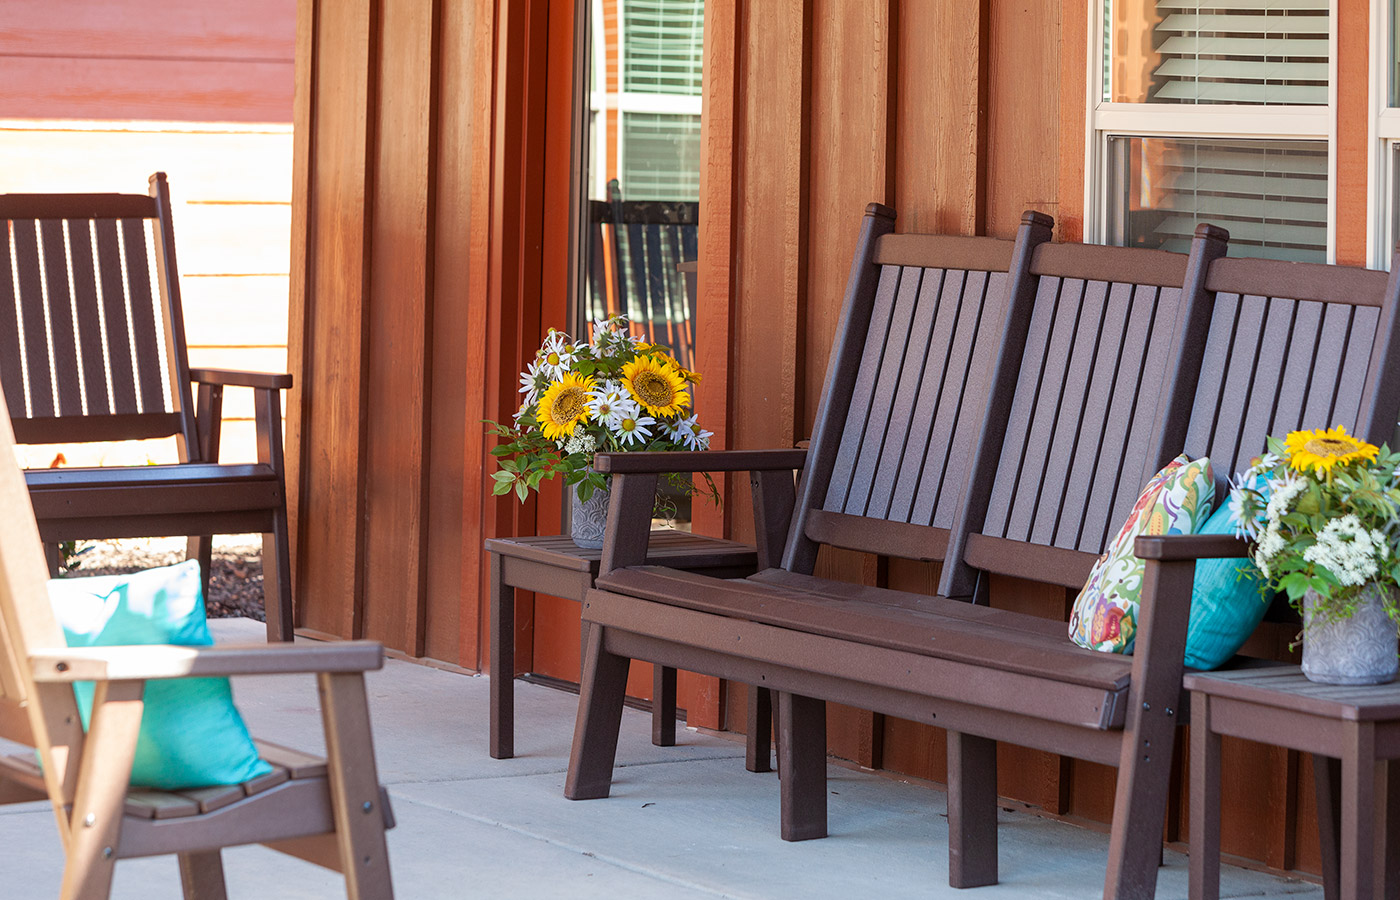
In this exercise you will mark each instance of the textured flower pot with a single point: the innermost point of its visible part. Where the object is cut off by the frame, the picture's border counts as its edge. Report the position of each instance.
(1357, 650)
(588, 521)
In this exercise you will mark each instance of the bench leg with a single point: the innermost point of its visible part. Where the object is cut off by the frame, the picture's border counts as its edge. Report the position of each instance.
(972, 810)
(202, 876)
(663, 706)
(802, 761)
(200, 547)
(599, 717)
(500, 668)
(1362, 856)
(758, 753)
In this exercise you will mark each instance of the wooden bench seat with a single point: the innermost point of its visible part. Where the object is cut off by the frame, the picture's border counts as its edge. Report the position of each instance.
(1105, 365)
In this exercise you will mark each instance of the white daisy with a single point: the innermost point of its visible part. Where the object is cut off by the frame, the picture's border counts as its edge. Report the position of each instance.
(688, 433)
(532, 381)
(556, 356)
(610, 404)
(634, 429)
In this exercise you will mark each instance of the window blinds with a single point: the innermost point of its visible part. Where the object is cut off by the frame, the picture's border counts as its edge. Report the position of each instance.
(1271, 52)
(1270, 195)
(660, 156)
(662, 42)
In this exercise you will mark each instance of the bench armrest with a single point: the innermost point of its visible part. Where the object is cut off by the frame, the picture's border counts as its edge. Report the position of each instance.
(140, 663)
(1190, 546)
(230, 378)
(699, 461)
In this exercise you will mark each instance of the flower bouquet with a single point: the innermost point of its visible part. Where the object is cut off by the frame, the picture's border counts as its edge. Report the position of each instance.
(617, 392)
(1323, 509)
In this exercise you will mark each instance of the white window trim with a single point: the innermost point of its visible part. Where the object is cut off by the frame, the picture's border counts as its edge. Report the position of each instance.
(1382, 135)
(1107, 119)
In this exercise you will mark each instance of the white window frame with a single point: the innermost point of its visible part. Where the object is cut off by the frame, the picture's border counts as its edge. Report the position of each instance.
(1383, 136)
(1168, 120)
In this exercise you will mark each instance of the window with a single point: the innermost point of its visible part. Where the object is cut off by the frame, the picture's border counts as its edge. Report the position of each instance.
(1213, 111)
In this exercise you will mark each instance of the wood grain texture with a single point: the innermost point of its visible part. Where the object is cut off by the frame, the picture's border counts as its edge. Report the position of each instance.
(851, 116)
(330, 522)
(1353, 99)
(1023, 104)
(399, 310)
(716, 239)
(771, 250)
(940, 119)
(1069, 198)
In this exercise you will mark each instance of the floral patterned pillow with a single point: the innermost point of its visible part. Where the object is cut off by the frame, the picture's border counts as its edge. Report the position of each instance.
(1176, 501)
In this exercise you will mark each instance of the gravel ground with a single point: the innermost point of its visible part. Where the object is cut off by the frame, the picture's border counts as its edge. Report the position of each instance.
(235, 586)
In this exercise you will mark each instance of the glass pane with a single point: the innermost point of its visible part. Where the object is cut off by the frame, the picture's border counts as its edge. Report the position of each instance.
(1254, 52)
(643, 179)
(1270, 195)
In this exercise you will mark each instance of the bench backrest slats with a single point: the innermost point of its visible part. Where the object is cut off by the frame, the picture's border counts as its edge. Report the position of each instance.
(1274, 364)
(95, 350)
(1078, 415)
(904, 392)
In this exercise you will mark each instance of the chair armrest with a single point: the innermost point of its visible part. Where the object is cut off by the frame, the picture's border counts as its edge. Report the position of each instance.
(1169, 548)
(140, 663)
(699, 461)
(230, 378)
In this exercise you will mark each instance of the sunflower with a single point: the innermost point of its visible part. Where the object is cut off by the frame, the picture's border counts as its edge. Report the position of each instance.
(1321, 450)
(656, 384)
(564, 405)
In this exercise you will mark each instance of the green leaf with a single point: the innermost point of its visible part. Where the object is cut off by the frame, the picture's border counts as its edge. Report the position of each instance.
(521, 491)
(500, 487)
(503, 477)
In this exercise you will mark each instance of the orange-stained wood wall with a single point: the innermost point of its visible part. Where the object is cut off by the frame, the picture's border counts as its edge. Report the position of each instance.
(430, 228)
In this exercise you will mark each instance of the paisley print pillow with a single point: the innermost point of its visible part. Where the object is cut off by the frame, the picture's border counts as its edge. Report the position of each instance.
(1177, 500)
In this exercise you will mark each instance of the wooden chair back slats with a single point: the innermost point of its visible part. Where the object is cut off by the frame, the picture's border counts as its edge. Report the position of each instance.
(1087, 385)
(901, 445)
(1090, 376)
(1275, 364)
(94, 335)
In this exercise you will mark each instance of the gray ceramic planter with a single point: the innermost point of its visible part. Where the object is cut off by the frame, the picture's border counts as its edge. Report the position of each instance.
(1357, 650)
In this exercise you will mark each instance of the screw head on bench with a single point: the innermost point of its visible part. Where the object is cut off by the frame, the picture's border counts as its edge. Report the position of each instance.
(89, 820)
(106, 852)
(1146, 705)
(367, 806)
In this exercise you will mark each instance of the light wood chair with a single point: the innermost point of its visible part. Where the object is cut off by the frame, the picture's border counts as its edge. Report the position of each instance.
(332, 812)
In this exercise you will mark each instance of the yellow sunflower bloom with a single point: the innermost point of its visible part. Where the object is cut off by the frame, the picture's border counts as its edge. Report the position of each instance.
(656, 384)
(564, 405)
(1321, 450)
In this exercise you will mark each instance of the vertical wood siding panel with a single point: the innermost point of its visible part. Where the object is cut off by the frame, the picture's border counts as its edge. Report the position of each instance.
(330, 525)
(398, 309)
(850, 119)
(454, 489)
(299, 270)
(770, 281)
(1023, 109)
(941, 70)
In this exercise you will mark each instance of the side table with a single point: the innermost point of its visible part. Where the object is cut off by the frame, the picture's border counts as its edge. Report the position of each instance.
(555, 565)
(1351, 731)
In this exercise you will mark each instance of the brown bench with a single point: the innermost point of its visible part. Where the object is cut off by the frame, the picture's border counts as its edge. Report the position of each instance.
(1108, 362)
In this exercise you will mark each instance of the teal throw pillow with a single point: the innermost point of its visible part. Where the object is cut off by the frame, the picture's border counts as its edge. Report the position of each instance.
(1227, 602)
(191, 734)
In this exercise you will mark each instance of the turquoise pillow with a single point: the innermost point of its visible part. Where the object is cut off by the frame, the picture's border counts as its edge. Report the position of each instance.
(1227, 602)
(191, 734)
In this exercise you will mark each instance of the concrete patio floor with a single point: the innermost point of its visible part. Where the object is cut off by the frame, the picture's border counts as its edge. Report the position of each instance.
(682, 822)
